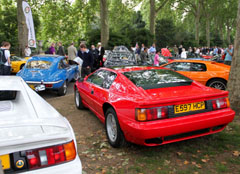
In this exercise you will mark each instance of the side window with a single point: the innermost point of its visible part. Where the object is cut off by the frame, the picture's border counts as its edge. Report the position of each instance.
(109, 79)
(181, 66)
(97, 78)
(62, 64)
(198, 67)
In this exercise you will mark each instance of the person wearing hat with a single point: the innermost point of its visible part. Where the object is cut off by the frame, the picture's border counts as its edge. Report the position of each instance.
(100, 54)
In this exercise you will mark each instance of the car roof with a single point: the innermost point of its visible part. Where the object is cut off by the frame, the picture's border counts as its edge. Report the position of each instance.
(47, 57)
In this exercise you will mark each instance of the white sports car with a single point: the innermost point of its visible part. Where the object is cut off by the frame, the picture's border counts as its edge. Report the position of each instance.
(34, 137)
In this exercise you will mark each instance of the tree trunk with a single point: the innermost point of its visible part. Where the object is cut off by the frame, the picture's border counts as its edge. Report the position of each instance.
(22, 28)
(228, 34)
(208, 31)
(197, 21)
(234, 78)
(152, 17)
(104, 23)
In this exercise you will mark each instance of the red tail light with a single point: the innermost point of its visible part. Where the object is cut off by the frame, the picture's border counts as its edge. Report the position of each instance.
(151, 113)
(49, 85)
(220, 103)
(51, 155)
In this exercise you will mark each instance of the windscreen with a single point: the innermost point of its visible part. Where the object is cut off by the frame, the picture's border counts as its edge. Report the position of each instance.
(39, 64)
(8, 95)
(157, 78)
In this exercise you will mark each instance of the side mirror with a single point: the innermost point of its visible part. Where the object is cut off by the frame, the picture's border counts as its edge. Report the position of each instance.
(80, 79)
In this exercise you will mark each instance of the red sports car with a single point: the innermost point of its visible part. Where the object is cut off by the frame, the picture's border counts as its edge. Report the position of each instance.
(152, 105)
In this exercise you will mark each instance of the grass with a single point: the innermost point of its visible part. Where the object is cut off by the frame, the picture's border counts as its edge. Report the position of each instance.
(209, 154)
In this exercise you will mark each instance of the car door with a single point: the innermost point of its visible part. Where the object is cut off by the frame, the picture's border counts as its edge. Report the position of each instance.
(68, 69)
(198, 72)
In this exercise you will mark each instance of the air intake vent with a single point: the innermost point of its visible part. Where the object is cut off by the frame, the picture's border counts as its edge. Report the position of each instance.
(5, 106)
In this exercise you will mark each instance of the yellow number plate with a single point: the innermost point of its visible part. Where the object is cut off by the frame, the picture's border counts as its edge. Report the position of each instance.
(32, 86)
(5, 161)
(189, 107)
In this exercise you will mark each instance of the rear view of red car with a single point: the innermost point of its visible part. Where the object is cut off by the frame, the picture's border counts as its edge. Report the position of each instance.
(151, 105)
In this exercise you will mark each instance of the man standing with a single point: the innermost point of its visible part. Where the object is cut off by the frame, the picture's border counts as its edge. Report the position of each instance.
(143, 55)
(60, 50)
(27, 51)
(72, 52)
(152, 52)
(87, 58)
(5, 64)
(101, 52)
(229, 54)
(95, 53)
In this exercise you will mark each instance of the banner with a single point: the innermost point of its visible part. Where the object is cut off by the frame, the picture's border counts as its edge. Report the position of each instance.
(29, 21)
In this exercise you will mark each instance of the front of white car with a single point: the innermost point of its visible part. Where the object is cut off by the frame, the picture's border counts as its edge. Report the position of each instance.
(34, 137)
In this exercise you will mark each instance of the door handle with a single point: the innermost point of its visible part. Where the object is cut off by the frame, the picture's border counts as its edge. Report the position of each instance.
(92, 92)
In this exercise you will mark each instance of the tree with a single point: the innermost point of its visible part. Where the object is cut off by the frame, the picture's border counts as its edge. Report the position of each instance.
(104, 22)
(234, 78)
(22, 28)
(153, 12)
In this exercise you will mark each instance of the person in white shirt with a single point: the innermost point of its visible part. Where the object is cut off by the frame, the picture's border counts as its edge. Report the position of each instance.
(5, 63)
(183, 54)
(27, 51)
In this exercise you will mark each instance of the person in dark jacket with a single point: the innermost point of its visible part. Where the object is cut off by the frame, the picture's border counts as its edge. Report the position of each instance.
(60, 50)
(95, 53)
(87, 58)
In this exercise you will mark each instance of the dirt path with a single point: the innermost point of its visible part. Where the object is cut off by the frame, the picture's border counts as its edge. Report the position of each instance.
(94, 151)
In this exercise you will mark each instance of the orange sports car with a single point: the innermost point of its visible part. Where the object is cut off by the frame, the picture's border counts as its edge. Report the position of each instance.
(208, 73)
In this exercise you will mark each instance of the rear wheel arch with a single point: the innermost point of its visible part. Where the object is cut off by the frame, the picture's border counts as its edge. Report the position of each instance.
(106, 106)
(216, 79)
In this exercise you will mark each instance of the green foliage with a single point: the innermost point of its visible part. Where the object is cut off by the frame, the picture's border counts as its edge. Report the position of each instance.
(8, 23)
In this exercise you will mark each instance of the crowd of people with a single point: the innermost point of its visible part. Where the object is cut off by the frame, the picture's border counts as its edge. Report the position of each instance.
(87, 59)
(91, 59)
(153, 54)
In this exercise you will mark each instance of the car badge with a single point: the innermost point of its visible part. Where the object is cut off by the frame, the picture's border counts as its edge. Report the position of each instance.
(19, 164)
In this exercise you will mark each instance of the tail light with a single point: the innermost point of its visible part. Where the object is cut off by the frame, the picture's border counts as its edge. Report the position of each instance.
(220, 103)
(50, 155)
(49, 85)
(151, 113)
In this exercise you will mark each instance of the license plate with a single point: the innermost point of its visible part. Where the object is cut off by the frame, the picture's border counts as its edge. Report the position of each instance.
(189, 107)
(5, 161)
(32, 86)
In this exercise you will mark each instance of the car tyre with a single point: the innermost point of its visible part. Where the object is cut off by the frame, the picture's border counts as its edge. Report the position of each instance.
(78, 99)
(218, 84)
(63, 89)
(114, 133)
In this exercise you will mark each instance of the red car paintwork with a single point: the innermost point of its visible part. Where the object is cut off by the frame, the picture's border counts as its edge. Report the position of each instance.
(124, 97)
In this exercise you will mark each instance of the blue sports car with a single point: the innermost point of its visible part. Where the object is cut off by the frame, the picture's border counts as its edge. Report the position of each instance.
(49, 72)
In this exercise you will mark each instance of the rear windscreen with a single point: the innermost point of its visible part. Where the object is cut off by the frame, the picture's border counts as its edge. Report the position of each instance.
(39, 64)
(8, 95)
(157, 78)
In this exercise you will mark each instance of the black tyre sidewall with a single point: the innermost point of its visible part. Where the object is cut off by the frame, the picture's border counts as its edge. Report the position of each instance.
(80, 99)
(61, 90)
(217, 80)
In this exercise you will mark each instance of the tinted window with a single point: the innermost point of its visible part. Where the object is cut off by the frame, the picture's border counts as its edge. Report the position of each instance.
(198, 67)
(102, 78)
(39, 64)
(7, 95)
(157, 78)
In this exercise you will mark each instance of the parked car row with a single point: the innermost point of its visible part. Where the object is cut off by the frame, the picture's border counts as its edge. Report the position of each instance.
(144, 105)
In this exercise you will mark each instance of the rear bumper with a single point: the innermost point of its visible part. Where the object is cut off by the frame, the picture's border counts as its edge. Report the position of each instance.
(73, 167)
(176, 129)
(54, 85)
